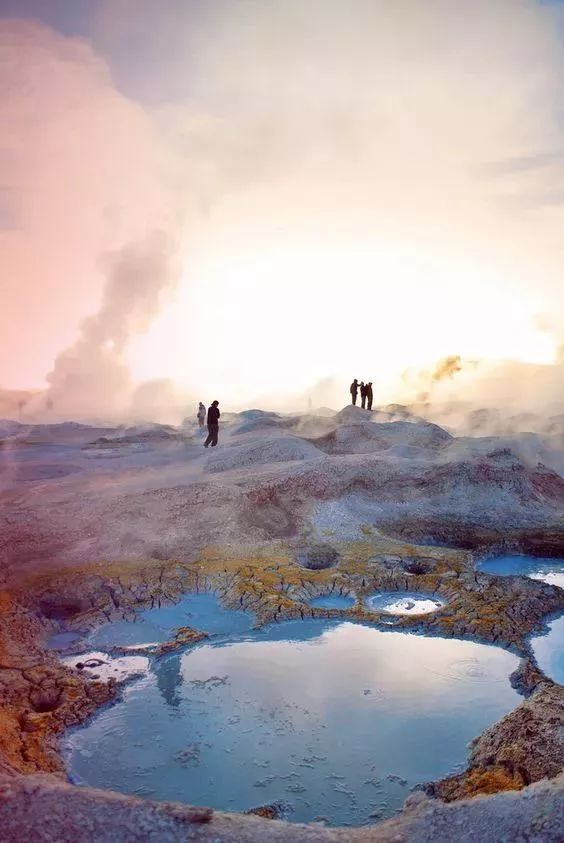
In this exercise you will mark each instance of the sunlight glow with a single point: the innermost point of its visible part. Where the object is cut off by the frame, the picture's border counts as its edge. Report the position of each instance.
(290, 312)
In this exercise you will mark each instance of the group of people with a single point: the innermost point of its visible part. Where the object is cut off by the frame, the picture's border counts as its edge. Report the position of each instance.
(366, 394)
(213, 415)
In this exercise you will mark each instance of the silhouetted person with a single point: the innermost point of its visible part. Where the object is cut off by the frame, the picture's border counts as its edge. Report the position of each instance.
(354, 390)
(362, 395)
(369, 395)
(201, 415)
(213, 424)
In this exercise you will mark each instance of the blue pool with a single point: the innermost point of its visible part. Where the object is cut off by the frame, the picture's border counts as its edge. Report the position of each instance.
(336, 720)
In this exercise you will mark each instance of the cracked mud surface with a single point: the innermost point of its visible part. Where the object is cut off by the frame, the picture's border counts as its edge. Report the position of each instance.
(274, 588)
(272, 515)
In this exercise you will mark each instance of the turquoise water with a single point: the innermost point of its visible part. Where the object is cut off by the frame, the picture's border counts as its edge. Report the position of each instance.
(404, 602)
(337, 720)
(548, 570)
(153, 626)
(549, 650)
(332, 601)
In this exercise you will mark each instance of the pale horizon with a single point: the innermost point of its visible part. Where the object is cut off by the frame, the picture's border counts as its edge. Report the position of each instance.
(263, 201)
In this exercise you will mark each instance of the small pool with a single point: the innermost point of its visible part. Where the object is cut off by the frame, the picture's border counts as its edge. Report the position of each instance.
(550, 571)
(549, 650)
(62, 640)
(336, 720)
(332, 601)
(154, 626)
(404, 603)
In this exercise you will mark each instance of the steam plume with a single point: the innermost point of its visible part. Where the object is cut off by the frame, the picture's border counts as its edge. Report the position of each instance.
(91, 378)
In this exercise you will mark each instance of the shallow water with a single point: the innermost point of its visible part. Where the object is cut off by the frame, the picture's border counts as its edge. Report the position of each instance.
(153, 626)
(548, 570)
(335, 719)
(404, 603)
(62, 640)
(549, 650)
(332, 601)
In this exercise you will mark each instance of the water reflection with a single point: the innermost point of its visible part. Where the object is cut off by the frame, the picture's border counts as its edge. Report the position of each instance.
(338, 719)
(153, 626)
(169, 679)
(549, 650)
(550, 571)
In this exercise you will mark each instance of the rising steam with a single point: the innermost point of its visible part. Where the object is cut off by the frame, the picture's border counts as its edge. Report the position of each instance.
(285, 122)
(90, 379)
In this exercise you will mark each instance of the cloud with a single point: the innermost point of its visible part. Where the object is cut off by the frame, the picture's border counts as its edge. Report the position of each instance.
(396, 160)
(373, 126)
(90, 379)
(81, 171)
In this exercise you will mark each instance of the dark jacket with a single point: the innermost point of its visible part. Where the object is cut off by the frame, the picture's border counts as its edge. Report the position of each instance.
(213, 415)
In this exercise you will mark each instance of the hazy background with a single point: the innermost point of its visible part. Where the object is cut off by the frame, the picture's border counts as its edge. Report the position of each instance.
(259, 201)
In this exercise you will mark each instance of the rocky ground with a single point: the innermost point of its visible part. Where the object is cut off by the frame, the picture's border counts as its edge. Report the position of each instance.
(98, 522)
(43, 808)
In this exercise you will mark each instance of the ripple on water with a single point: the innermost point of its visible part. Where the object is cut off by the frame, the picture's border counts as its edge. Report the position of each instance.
(338, 719)
(550, 571)
(404, 603)
(549, 650)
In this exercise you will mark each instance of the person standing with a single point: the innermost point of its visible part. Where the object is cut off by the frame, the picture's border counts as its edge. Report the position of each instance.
(362, 395)
(201, 415)
(354, 391)
(213, 424)
(369, 395)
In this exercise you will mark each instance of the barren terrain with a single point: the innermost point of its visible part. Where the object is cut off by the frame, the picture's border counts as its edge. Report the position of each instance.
(98, 522)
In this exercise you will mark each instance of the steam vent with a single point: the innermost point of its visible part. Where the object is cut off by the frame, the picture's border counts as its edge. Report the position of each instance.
(281, 421)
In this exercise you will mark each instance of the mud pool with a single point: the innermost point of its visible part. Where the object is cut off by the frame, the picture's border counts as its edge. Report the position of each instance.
(154, 626)
(549, 650)
(404, 603)
(335, 720)
(550, 571)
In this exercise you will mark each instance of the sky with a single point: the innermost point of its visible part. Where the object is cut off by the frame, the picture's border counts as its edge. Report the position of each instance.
(257, 199)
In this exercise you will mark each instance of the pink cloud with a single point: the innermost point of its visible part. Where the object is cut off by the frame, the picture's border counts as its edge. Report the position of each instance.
(81, 175)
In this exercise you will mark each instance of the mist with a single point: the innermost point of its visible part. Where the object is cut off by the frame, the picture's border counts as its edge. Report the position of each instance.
(286, 197)
(90, 378)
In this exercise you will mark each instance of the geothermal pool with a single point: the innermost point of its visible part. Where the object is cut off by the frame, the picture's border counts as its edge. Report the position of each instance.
(334, 720)
(200, 611)
(550, 571)
(549, 650)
